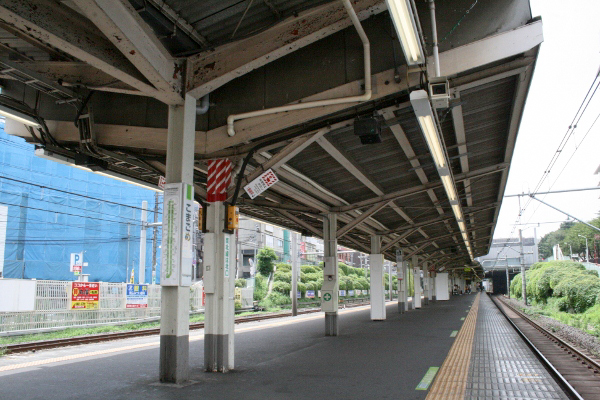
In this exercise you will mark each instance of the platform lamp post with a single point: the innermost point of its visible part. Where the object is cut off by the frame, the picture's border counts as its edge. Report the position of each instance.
(587, 253)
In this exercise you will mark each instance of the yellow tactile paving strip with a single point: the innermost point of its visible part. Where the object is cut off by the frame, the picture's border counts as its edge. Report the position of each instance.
(451, 381)
(38, 363)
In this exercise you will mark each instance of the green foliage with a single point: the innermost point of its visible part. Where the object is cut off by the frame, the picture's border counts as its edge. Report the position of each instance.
(266, 260)
(575, 288)
(238, 305)
(241, 283)
(363, 284)
(310, 277)
(568, 234)
(343, 269)
(313, 285)
(276, 300)
(282, 276)
(302, 287)
(309, 269)
(282, 287)
(284, 267)
(260, 287)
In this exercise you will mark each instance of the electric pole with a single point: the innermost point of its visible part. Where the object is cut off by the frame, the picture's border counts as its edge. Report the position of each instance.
(523, 279)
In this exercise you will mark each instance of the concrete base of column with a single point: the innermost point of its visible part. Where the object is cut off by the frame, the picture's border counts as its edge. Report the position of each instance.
(401, 307)
(433, 299)
(174, 358)
(216, 353)
(331, 324)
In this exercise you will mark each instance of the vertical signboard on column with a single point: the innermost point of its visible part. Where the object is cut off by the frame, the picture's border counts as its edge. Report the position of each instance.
(177, 246)
(169, 271)
(226, 255)
(188, 236)
(399, 260)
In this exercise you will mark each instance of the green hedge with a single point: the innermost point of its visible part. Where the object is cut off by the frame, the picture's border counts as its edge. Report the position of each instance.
(575, 288)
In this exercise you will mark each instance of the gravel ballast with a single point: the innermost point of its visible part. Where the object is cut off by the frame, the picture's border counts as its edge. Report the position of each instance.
(578, 338)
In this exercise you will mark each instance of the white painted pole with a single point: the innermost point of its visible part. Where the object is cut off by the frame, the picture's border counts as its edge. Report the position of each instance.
(142, 270)
(294, 291)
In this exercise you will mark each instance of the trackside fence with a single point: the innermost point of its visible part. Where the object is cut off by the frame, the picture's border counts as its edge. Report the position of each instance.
(52, 307)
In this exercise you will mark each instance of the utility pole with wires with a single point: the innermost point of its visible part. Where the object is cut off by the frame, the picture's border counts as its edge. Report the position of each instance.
(522, 257)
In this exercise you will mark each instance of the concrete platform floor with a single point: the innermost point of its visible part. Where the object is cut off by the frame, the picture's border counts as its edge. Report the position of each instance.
(288, 358)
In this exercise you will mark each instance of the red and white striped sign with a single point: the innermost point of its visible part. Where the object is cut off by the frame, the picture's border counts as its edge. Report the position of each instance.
(219, 179)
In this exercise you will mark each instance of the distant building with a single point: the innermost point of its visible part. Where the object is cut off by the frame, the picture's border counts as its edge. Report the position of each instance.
(506, 252)
(49, 210)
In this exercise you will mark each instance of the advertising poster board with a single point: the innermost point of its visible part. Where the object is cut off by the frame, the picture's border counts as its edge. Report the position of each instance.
(137, 296)
(85, 295)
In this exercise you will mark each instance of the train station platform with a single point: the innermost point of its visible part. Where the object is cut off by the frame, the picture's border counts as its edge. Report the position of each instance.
(290, 358)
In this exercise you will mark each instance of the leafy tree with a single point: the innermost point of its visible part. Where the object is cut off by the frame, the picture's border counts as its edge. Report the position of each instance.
(241, 283)
(266, 260)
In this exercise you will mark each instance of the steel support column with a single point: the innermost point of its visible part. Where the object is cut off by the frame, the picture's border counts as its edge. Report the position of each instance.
(417, 282)
(175, 300)
(426, 282)
(377, 286)
(330, 288)
(402, 272)
(219, 282)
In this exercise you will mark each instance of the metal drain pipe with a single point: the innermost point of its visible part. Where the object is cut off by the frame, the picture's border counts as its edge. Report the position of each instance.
(301, 106)
(436, 56)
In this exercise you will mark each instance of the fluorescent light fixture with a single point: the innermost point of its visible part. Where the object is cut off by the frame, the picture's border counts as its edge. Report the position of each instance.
(457, 212)
(449, 186)
(18, 116)
(422, 108)
(49, 155)
(433, 141)
(404, 21)
(419, 100)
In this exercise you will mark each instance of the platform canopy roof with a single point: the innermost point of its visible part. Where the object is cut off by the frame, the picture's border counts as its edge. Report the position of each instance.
(116, 66)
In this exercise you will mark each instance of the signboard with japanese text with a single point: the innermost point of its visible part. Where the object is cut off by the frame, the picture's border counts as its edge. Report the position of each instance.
(399, 260)
(342, 292)
(227, 254)
(137, 296)
(161, 182)
(351, 293)
(85, 295)
(177, 236)
(187, 254)
(310, 294)
(262, 183)
(169, 271)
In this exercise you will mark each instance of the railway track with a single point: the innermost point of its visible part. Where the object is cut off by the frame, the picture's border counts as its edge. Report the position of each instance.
(578, 373)
(49, 344)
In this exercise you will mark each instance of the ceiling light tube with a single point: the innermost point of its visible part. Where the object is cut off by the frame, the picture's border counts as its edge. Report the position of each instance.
(449, 186)
(433, 141)
(403, 18)
(18, 116)
(457, 212)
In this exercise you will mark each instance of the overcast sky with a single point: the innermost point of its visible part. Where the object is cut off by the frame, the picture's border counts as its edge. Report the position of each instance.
(568, 62)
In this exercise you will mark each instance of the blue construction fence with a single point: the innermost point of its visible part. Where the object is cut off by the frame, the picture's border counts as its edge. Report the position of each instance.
(49, 210)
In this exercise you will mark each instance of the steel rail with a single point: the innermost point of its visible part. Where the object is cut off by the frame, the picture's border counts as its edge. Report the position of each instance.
(49, 344)
(562, 381)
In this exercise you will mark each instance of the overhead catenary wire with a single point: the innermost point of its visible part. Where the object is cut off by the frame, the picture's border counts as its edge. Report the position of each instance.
(73, 193)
